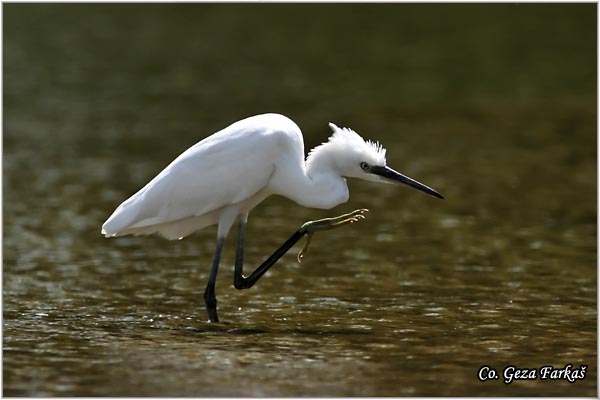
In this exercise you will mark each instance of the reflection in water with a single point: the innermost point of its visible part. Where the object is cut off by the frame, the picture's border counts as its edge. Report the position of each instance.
(499, 114)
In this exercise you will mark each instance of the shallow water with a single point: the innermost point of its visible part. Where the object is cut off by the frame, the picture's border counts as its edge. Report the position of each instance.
(492, 105)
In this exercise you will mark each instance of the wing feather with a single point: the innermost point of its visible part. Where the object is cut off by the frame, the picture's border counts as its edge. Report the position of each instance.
(224, 169)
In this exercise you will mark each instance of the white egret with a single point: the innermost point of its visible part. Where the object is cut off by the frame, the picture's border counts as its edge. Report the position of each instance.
(221, 178)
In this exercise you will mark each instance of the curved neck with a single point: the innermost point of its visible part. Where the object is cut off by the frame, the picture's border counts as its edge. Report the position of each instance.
(316, 184)
(323, 189)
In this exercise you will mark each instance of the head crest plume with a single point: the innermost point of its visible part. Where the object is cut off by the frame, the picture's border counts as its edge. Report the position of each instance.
(346, 140)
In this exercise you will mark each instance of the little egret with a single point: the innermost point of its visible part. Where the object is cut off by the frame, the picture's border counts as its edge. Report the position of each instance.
(221, 178)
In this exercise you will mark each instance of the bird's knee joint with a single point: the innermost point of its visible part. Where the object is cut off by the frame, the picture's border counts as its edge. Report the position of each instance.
(241, 284)
(210, 299)
(211, 303)
(303, 230)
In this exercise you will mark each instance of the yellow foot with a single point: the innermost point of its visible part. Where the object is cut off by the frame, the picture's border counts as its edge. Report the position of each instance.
(310, 227)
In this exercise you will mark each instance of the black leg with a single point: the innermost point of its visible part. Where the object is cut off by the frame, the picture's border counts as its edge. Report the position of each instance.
(242, 282)
(238, 273)
(210, 299)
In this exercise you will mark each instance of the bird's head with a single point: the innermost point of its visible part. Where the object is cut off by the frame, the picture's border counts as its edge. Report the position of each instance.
(353, 157)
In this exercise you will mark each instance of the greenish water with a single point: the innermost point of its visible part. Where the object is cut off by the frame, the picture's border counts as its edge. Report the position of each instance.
(492, 105)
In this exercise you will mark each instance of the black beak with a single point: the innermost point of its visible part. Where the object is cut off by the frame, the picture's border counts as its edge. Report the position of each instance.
(396, 177)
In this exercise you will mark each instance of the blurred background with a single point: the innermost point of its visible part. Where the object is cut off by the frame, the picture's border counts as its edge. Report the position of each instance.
(493, 105)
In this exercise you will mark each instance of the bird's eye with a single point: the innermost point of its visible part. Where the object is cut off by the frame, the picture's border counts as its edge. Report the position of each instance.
(364, 166)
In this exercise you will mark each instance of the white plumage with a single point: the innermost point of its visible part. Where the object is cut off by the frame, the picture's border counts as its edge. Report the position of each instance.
(221, 178)
(238, 167)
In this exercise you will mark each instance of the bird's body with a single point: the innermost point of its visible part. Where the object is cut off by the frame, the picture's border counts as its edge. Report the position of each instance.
(222, 177)
(231, 170)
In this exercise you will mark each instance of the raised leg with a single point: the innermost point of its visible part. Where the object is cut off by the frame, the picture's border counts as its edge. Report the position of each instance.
(210, 299)
(324, 224)
(242, 282)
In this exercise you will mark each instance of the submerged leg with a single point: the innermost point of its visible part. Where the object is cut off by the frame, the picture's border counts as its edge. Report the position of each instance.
(242, 282)
(210, 299)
